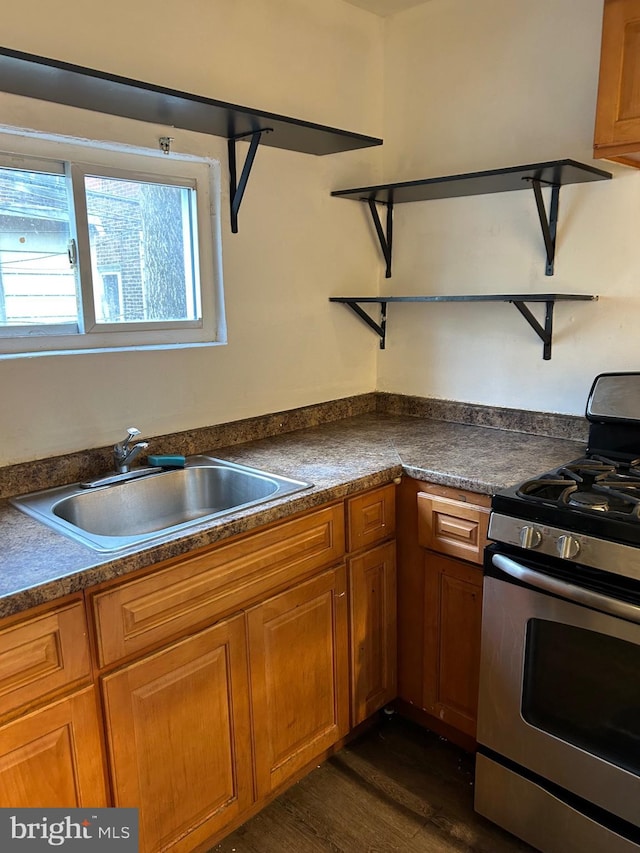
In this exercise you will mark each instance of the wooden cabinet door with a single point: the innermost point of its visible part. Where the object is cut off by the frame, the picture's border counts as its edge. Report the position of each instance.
(453, 613)
(53, 757)
(617, 133)
(372, 597)
(179, 736)
(299, 676)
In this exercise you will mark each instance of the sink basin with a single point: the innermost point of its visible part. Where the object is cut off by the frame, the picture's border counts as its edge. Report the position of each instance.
(128, 512)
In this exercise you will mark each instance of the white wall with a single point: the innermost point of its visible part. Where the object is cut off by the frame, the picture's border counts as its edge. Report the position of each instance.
(288, 346)
(490, 84)
(463, 85)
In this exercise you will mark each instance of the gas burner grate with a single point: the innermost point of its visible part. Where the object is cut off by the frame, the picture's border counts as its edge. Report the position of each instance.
(594, 484)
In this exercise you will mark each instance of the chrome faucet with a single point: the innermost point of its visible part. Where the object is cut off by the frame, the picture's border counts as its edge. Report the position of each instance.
(124, 453)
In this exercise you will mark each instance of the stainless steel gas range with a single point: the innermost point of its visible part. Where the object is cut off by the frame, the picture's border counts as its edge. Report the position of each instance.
(558, 762)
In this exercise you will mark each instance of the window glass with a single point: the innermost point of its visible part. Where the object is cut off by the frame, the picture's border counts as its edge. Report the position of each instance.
(143, 251)
(37, 280)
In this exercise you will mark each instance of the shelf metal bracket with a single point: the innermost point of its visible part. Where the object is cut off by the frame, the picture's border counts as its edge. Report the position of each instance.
(379, 328)
(237, 187)
(385, 237)
(544, 333)
(520, 300)
(549, 224)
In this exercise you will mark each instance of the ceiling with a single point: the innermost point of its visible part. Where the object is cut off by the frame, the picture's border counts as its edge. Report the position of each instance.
(385, 7)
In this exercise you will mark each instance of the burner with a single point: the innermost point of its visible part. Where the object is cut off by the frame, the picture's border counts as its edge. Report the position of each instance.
(588, 467)
(596, 494)
(589, 500)
(547, 489)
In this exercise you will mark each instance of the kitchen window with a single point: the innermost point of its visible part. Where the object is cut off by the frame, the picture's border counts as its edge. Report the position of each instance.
(122, 252)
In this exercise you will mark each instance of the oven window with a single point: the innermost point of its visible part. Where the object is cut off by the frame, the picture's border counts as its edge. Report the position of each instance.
(583, 687)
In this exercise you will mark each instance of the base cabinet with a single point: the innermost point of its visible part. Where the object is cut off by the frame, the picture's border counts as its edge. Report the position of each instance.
(452, 615)
(211, 681)
(51, 747)
(452, 533)
(441, 538)
(299, 676)
(53, 756)
(371, 532)
(372, 588)
(179, 737)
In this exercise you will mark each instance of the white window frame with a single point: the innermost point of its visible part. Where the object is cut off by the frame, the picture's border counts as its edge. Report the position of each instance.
(32, 151)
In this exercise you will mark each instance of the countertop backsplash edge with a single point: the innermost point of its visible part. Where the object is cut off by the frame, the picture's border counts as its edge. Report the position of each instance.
(81, 465)
(551, 424)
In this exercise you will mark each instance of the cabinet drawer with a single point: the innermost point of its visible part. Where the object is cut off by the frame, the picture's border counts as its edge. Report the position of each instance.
(452, 527)
(371, 517)
(42, 655)
(197, 590)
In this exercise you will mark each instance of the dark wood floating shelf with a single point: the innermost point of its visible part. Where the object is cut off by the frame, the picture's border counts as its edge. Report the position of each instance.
(74, 85)
(558, 172)
(520, 301)
(77, 86)
(554, 174)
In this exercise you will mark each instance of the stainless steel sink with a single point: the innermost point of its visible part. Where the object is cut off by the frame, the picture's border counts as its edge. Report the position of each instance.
(130, 511)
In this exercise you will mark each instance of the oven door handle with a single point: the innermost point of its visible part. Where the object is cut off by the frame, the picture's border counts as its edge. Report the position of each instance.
(596, 600)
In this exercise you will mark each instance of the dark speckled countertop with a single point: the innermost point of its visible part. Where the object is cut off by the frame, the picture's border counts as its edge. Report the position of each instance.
(340, 458)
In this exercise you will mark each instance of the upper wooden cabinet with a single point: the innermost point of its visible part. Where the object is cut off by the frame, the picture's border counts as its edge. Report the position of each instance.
(617, 132)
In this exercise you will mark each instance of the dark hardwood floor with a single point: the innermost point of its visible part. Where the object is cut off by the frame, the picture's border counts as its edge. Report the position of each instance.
(396, 788)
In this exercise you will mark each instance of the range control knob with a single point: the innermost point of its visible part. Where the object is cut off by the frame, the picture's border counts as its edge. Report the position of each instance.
(530, 537)
(568, 547)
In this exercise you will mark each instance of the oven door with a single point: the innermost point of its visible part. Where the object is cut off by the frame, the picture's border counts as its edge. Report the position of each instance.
(560, 684)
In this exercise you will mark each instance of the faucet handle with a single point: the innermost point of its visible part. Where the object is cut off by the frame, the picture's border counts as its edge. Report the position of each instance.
(132, 432)
(120, 449)
(123, 454)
